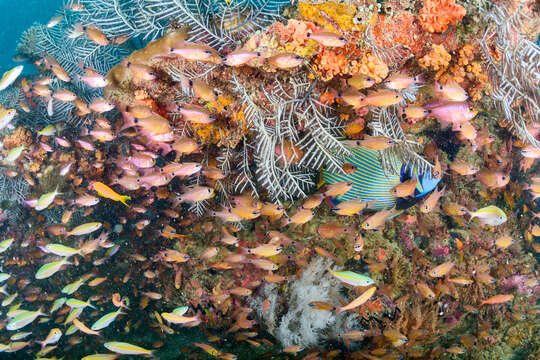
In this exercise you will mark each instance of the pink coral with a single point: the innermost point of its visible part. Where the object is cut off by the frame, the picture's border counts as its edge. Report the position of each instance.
(436, 15)
(440, 250)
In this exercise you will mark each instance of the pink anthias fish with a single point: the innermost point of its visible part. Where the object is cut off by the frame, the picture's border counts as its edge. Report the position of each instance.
(400, 81)
(142, 161)
(452, 112)
(128, 182)
(62, 142)
(182, 169)
(156, 178)
(86, 145)
(451, 91)
(196, 194)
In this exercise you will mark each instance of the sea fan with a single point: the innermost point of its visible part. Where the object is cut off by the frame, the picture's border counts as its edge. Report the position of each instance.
(13, 191)
(295, 117)
(216, 22)
(514, 66)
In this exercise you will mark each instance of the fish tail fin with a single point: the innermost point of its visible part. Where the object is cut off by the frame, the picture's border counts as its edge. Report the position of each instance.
(124, 198)
(339, 310)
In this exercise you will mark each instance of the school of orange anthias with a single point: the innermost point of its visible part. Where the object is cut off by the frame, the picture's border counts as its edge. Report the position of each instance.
(162, 210)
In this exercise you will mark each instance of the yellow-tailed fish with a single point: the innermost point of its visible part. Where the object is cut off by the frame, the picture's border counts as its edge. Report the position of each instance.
(106, 320)
(24, 319)
(489, 215)
(4, 277)
(352, 278)
(126, 348)
(53, 337)
(180, 310)
(19, 336)
(46, 199)
(47, 131)
(73, 314)
(106, 192)
(101, 357)
(76, 303)
(4, 245)
(85, 229)
(57, 304)
(72, 329)
(51, 268)
(10, 76)
(72, 287)
(14, 154)
(61, 250)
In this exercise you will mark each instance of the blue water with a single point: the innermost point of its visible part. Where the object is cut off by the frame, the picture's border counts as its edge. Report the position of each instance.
(16, 16)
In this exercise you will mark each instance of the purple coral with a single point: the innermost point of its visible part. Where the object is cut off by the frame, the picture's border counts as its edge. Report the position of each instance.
(406, 238)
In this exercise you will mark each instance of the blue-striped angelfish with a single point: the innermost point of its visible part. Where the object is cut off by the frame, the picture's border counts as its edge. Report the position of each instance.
(373, 184)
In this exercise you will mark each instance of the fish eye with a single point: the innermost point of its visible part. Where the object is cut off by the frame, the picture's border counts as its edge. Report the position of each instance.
(499, 162)
(397, 96)
(504, 178)
(440, 87)
(491, 137)
(369, 79)
(208, 52)
(341, 38)
(136, 121)
(297, 57)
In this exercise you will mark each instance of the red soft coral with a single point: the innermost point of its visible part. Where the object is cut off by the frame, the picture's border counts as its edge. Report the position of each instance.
(435, 15)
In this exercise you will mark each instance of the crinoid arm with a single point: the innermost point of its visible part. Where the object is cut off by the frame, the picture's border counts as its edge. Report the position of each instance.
(514, 68)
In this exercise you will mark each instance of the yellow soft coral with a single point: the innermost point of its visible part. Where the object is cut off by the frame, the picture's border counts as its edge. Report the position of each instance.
(333, 15)
(436, 15)
(437, 59)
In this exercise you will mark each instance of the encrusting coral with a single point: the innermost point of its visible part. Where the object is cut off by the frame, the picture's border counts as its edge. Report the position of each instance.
(436, 15)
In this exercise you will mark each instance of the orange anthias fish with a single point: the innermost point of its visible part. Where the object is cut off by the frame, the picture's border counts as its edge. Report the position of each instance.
(431, 201)
(441, 270)
(498, 299)
(106, 192)
(378, 219)
(327, 38)
(382, 98)
(492, 179)
(405, 189)
(376, 142)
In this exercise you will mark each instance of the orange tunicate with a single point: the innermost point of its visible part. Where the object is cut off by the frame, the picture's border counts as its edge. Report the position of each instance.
(436, 15)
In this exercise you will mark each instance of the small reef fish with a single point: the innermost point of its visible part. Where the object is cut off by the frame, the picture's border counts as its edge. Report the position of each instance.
(106, 192)
(489, 215)
(405, 189)
(358, 301)
(350, 207)
(197, 194)
(376, 142)
(76, 303)
(378, 219)
(61, 250)
(51, 268)
(531, 152)
(24, 319)
(441, 270)
(504, 241)
(453, 113)
(82, 327)
(352, 278)
(451, 91)
(14, 154)
(6, 116)
(338, 188)
(126, 348)
(498, 299)
(85, 229)
(382, 98)
(463, 168)
(240, 57)
(328, 39)
(400, 81)
(101, 357)
(46, 200)
(4, 245)
(285, 61)
(360, 81)
(431, 201)
(10, 76)
(52, 338)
